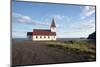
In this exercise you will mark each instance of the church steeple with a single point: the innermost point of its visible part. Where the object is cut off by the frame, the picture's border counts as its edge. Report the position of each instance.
(53, 26)
(53, 23)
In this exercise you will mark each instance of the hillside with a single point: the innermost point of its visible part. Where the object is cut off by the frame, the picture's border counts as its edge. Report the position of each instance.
(92, 36)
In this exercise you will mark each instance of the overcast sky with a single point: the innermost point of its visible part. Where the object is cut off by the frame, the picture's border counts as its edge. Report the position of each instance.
(72, 21)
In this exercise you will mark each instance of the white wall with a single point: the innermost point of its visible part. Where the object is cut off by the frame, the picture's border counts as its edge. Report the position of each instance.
(53, 29)
(42, 38)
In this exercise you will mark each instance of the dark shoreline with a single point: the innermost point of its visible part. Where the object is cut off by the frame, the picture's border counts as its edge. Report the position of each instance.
(58, 39)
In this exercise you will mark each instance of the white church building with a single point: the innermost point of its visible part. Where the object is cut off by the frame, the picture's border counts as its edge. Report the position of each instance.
(43, 34)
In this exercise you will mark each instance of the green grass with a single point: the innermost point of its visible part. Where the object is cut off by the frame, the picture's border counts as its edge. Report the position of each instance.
(87, 48)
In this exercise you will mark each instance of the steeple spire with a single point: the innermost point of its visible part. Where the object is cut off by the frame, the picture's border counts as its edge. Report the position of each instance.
(53, 23)
(53, 26)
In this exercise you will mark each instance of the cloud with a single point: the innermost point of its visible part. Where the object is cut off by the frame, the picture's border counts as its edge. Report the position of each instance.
(84, 25)
(41, 23)
(80, 29)
(62, 17)
(27, 19)
(21, 18)
(84, 28)
(24, 19)
(61, 20)
(59, 17)
(87, 11)
(19, 31)
(16, 15)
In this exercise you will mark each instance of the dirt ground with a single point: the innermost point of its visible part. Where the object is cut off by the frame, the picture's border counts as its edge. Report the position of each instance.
(26, 52)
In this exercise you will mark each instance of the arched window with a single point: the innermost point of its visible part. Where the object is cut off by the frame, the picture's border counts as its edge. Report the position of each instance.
(40, 36)
(48, 37)
(36, 36)
(44, 36)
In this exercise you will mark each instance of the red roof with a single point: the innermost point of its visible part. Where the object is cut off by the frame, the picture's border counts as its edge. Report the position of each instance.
(43, 32)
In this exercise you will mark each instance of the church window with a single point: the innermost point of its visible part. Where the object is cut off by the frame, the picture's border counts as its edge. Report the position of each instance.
(36, 37)
(44, 36)
(48, 36)
(40, 36)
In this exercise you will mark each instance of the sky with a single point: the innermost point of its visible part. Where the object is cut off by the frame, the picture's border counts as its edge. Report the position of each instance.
(72, 21)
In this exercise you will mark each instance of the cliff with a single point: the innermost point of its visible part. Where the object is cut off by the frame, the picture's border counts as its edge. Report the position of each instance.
(92, 36)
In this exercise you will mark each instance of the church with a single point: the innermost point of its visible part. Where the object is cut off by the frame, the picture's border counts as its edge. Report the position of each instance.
(43, 34)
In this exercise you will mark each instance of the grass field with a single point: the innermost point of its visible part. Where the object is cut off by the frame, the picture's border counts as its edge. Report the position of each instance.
(25, 52)
(86, 48)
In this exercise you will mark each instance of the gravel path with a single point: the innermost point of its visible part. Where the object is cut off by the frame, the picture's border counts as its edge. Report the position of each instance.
(28, 52)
